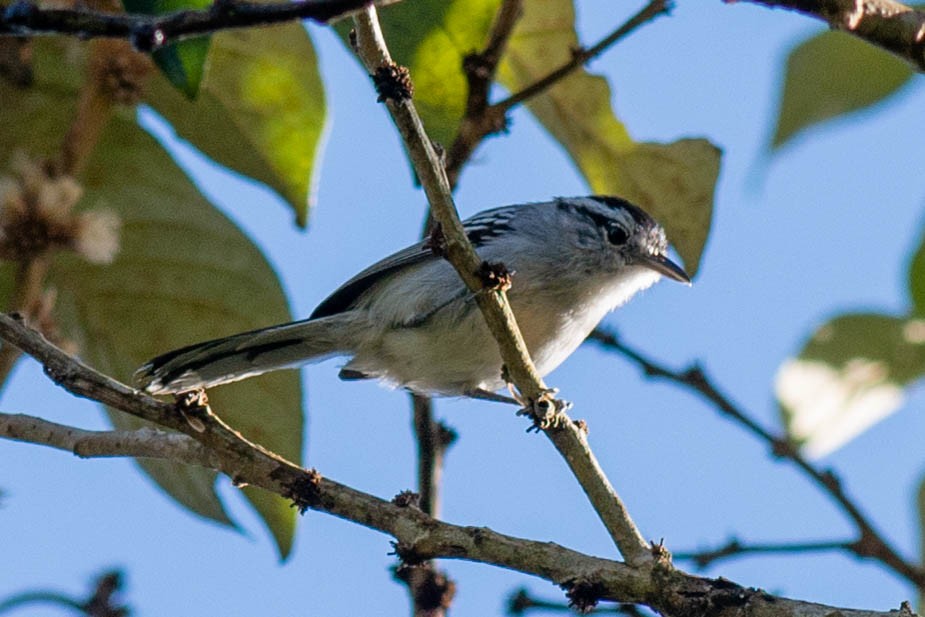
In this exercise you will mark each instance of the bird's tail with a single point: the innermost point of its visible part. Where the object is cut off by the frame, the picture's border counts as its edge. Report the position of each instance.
(243, 355)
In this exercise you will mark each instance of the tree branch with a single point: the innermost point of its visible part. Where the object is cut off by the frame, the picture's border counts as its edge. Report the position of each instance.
(891, 25)
(419, 537)
(482, 119)
(147, 32)
(870, 542)
(735, 548)
(146, 442)
(395, 89)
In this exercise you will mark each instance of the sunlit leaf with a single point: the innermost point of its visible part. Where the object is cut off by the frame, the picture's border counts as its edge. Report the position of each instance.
(851, 374)
(832, 74)
(261, 110)
(184, 273)
(183, 63)
(673, 182)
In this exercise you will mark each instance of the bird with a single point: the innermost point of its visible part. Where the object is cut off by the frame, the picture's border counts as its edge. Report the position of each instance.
(410, 321)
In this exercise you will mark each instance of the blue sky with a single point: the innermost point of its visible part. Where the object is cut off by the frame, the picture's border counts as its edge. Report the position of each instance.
(823, 227)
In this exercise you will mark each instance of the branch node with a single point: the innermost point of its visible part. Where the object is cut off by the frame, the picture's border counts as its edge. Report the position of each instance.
(583, 595)
(305, 491)
(407, 499)
(661, 553)
(393, 83)
(406, 554)
(147, 38)
(495, 276)
(436, 240)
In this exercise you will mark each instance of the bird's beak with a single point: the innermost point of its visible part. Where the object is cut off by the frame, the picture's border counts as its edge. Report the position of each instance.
(663, 266)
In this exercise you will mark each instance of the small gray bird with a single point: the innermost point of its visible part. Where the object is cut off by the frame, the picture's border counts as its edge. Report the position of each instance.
(409, 320)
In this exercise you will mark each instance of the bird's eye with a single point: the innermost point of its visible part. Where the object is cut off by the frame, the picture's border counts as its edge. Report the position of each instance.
(617, 235)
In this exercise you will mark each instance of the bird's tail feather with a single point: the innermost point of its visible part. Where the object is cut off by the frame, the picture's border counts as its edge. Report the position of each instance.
(243, 355)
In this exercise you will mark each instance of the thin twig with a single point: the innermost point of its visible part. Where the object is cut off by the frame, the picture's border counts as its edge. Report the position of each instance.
(735, 548)
(580, 57)
(890, 25)
(568, 438)
(870, 542)
(147, 33)
(482, 119)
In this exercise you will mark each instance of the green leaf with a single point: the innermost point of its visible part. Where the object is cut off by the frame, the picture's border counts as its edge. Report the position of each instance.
(431, 38)
(184, 273)
(851, 374)
(830, 75)
(917, 279)
(674, 182)
(183, 63)
(261, 110)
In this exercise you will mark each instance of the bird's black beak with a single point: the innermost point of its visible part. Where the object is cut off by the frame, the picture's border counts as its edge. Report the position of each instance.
(664, 266)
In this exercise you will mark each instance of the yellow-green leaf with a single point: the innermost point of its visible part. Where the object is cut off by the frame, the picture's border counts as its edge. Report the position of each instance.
(261, 109)
(830, 75)
(431, 38)
(674, 182)
(851, 374)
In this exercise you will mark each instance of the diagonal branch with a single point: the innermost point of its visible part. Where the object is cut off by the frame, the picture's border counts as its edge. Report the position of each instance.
(395, 89)
(146, 32)
(419, 536)
(870, 542)
(891, 25)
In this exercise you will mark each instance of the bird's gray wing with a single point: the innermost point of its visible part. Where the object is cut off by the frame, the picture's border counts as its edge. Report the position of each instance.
(347, 294)
(481, 229)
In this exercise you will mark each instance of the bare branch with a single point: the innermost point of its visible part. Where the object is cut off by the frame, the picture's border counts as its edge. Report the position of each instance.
(147, 33)
(871, 542)
(736, 548)
(580, 57)
(891, 25)
(146, 442)
(482, 119)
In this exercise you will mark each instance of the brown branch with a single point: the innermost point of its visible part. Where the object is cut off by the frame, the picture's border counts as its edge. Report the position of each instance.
(430, 588)
(479, 120)
(522, 602)
(870, 543)
(102, 602)
(147, 442)
(418, 536)
(147, 33)
(395, 90)
(482, 119)
(736, 548)
(890, 25)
